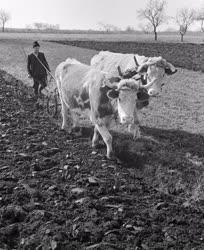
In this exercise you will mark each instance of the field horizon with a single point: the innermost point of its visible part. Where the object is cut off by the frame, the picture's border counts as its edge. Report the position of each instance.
(190, 37)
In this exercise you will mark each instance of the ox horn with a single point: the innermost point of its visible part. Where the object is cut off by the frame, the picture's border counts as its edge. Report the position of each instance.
(148, 85)
(136, 62)
(120, 71)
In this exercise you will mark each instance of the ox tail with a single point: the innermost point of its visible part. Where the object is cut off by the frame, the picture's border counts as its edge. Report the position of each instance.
(58, 79)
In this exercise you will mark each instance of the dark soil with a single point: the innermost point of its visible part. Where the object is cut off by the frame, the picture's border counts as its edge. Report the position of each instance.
(57, 193)
(184, 55)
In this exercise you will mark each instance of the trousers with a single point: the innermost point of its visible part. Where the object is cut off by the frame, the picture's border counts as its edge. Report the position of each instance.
(39, 84)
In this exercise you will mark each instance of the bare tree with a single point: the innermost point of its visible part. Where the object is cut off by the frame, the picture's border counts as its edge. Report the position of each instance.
(4, 18)
(200, 17)
(154, 13)
(184, 18)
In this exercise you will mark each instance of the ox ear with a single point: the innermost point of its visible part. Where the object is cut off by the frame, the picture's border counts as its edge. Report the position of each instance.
(129, 73)
(169, 71)
(142, 69)
(113, 94)
(137, 77)
(142, 94)
(114, 79)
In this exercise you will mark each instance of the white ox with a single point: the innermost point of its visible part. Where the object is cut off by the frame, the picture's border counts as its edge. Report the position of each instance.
(80, 85)
(153, 69)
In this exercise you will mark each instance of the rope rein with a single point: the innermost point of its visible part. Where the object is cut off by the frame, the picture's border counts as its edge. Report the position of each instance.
(44, 67)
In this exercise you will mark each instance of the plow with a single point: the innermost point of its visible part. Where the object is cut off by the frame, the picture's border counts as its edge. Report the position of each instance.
(53, 105)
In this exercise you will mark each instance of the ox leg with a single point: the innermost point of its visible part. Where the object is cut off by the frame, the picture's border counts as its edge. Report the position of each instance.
(135, 128)
(75, 119)
(65, 117)
(95, 139)
(107, 139)
(107, 121)
(75, 123)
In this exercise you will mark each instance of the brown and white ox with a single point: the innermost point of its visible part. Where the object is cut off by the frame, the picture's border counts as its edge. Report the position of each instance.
(152, 69)
(80, 85)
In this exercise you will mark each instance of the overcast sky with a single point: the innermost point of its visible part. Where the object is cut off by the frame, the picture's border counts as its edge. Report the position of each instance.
(84, 14)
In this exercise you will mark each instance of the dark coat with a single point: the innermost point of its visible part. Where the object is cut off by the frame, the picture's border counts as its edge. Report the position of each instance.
(35, 68)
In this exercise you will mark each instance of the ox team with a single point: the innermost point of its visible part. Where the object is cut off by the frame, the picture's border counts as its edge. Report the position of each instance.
(113, 85)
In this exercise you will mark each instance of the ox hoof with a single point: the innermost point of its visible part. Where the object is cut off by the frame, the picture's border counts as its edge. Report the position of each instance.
(67, 130)
(137, 134)
(110, 156)
(98, 146)
(135, 138)
(114, 159)
(77, 131)
(95, 144)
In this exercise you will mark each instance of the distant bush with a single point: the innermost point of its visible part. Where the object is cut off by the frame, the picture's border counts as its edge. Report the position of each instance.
(42, 26)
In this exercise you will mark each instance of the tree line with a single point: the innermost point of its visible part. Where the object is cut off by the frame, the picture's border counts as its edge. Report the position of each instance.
(154, 14)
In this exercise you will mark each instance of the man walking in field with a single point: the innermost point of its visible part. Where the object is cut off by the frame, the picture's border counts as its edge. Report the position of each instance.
(37, 67)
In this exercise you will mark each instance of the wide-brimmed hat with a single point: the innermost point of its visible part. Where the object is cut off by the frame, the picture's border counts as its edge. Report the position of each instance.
(36, 44)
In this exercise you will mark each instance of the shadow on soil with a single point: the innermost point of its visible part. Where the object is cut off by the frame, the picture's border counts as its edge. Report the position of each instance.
(170, 160)
(153, 140)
